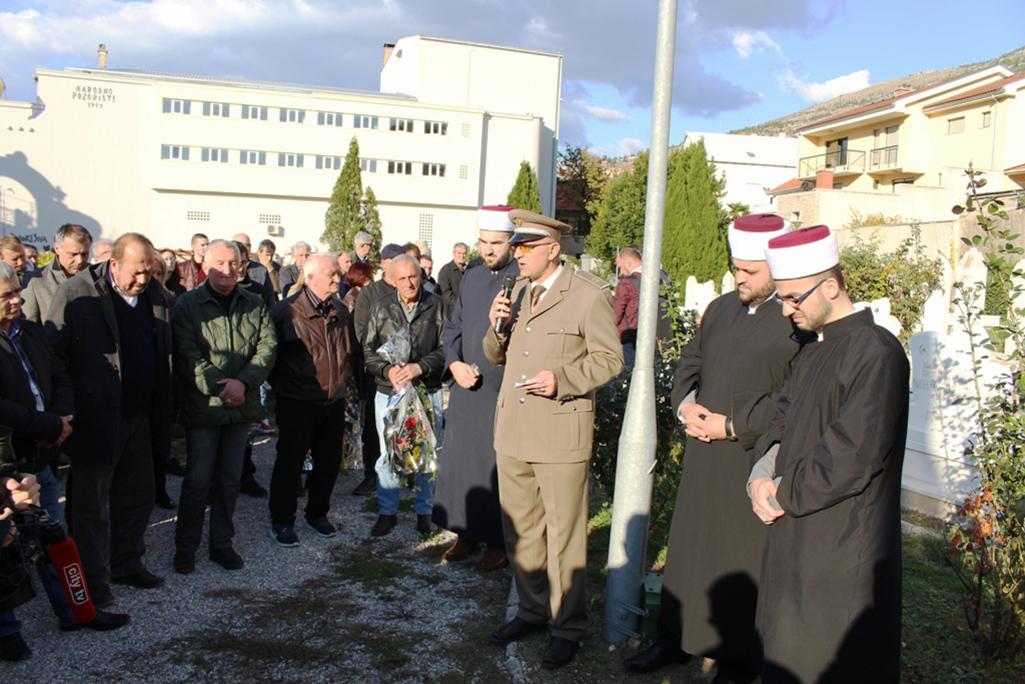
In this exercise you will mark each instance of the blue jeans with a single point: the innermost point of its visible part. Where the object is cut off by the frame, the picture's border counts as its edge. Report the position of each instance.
(50, 494)
(388, 497)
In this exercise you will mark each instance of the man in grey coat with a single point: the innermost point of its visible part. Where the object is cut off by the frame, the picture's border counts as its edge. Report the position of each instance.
(71, 245)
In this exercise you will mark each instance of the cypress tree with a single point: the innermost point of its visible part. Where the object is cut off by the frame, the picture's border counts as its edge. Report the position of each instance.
(370, 220)
(344, 214)
(694, 240)
(620, 219)
(525, 193)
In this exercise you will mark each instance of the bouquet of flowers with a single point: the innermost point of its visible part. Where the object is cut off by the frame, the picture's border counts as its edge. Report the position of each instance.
(409, 439)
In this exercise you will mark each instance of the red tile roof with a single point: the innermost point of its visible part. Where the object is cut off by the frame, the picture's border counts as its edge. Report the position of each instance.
(1020, 168)
(792, 184)
(986, 89)
(863, 109)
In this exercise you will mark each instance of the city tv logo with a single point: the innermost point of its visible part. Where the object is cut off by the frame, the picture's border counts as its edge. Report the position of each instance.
(76, 585)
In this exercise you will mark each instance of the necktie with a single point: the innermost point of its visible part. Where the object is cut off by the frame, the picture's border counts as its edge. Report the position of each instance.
(535, 295)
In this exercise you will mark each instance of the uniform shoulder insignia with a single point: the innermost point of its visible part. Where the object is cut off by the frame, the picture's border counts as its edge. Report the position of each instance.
(592, 280)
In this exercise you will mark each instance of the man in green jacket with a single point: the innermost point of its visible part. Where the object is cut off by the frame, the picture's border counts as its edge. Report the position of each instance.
(224, 347)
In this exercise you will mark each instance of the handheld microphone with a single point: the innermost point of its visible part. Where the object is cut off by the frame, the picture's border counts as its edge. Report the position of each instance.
(507, 288)
(68, 564)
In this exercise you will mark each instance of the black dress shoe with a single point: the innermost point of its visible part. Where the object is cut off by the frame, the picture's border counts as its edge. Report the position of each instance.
(559, 653)
(164, 501)
(103, 622)
(227, 558)
(514, 630)
(655, 657)
(384, 525)
(367, 487)
(250, 487)
(143, 579)
(184, 562)
(102, 596)
(13, 648)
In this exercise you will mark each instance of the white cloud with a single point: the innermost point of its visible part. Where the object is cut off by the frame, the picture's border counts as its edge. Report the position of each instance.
(603, 113)
(827, 90)
(624, 148)
(744, 42)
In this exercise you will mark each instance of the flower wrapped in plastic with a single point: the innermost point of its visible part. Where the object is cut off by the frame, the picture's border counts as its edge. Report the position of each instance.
(410, 444)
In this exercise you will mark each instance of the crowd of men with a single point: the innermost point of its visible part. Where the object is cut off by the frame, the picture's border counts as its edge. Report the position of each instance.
(784, 557)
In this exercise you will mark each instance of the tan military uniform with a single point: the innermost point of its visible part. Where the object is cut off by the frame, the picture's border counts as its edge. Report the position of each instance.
(543, 444)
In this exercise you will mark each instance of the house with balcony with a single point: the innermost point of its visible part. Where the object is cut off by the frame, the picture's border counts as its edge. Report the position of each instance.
(903, 158)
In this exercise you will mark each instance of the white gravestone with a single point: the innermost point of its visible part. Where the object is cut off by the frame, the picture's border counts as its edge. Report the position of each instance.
(729, 283)
(698, 295)
(972, 271)
(936, 312)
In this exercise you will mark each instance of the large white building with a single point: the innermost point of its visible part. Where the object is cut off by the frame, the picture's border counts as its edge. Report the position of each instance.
(751, 164)
(170, 155)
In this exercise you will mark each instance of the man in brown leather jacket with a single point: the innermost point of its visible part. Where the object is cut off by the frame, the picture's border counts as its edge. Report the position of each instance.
(316, 348)
(191, 274)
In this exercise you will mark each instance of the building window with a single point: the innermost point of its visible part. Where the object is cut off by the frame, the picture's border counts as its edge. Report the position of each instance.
(174, 152)
(274, 219)
(987, 118)
(254, 112)
(172, 106)
(400, 167)
(364, 121)
(955, 125)
(433, 169)
(466, 130)
(329, 119)
(400, 125)
(293, 115)
(215, 154)
(464, 172)
(290, 159)
(435, 128)
(252, 157)
(368, 165)
(197, 215)
(216, 109)
(326, 162)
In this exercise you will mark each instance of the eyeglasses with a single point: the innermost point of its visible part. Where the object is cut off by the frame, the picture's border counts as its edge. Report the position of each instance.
(796, 301)
(527, 249)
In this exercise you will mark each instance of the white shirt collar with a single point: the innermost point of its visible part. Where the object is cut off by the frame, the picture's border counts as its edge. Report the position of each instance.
(130, 300)
(548, 282)
(752, 309)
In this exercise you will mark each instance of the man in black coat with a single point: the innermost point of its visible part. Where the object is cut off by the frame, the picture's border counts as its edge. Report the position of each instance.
(722, 392)
(360, 317)
(110, 326)
(422, 315)
(451, 274)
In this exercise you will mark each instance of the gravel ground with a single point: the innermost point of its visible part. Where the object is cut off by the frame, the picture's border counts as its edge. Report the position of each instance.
(345, 609)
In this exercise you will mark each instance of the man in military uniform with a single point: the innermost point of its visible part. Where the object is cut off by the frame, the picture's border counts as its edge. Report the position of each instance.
(558, 343)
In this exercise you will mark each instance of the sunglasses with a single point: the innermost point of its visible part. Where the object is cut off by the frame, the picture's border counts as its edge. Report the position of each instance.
(527, 249)
(796, 301)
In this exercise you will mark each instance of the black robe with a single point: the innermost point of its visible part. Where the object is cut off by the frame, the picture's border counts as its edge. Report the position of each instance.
(829, 610)
(466, 493)
(735, 361)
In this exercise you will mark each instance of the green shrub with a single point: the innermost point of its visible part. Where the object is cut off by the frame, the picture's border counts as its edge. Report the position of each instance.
(609, 412)
(905, 276)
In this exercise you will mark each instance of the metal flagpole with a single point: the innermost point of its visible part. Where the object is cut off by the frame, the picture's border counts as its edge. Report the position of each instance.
(632, 500)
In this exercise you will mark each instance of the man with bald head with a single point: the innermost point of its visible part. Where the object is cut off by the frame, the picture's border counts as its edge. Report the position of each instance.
(110, 326)
(422, 316)
(316, 351)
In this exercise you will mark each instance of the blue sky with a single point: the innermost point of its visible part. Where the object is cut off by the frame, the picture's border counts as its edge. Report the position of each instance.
(739, 62)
